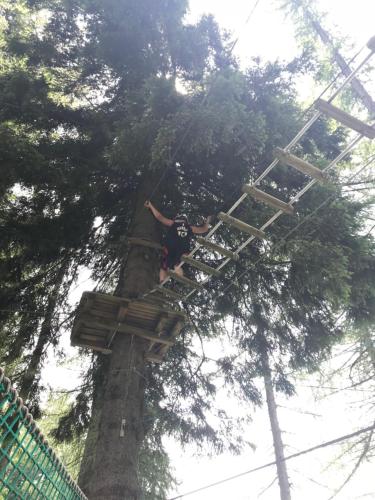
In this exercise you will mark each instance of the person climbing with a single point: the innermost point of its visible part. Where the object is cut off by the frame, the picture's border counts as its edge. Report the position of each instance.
(177, 240)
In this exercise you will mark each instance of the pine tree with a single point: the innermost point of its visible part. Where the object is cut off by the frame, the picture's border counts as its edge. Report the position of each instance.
(101, 127)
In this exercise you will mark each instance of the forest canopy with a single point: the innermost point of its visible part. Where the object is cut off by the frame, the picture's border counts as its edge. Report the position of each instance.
(106, 104)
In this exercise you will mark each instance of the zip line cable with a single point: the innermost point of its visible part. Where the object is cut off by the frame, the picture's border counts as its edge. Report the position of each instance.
(269, 464)
(245, 24)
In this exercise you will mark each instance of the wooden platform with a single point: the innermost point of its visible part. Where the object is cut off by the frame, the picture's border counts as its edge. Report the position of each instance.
(100, 317)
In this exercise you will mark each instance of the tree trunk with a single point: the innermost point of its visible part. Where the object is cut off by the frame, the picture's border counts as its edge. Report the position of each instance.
(276, 432)
(345, 68)
(110, 466)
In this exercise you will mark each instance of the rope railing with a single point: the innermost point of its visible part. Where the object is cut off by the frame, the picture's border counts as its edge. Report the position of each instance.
(29, 468)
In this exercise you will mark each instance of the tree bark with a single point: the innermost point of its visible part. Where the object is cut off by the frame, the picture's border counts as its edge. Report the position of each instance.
(340, 61)
(282, 472)
(110, 466)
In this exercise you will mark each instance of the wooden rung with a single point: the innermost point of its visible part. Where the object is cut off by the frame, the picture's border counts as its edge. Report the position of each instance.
(155, 358)
(301, 165)
(131, 330)
(169, 293)
(217, 248)
(346, 119)
(268, 199)
(242, 226)
(200, 265)
(371, 44)
(183, 280)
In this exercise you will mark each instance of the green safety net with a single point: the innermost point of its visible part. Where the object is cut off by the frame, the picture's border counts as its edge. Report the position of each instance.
(29, 468)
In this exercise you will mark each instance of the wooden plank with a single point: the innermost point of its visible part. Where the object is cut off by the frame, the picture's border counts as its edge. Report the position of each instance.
(217, 248)
(371, 44)
(145, 243)
(162, 323)
(345, 118)
(161, 327)
(141, 307)
(161, 310)
(200, 265)
(98, 311)
(177, 328)
(91, 345)
(109, 299)
(174, 332)
(122, 312)
(95, 338)
(301, 165)
(169, 293)
(132, 330)
(155, 358)
(242, 226)
(267, 199)
(184, 280)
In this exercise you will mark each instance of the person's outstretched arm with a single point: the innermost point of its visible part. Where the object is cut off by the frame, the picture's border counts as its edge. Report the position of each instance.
(202, 229)
(158, 215)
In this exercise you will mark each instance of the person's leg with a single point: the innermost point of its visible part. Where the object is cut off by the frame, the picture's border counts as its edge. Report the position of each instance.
(178, 270)
(162, 275)
(164, 265)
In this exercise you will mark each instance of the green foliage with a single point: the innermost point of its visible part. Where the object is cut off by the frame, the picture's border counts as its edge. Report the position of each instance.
(91, 109)
(70, 451)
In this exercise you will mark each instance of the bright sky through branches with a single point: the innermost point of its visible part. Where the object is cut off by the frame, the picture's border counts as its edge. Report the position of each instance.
(270, 36)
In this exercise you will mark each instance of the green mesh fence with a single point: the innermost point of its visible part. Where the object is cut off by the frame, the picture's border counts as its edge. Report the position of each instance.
(29, 468)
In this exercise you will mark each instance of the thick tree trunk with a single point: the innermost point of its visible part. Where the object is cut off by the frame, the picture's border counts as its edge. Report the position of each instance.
(110, 467)
(276, 432)
(340, 61)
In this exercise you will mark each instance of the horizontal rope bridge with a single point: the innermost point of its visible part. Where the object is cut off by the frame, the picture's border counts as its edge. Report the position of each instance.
(29, 468)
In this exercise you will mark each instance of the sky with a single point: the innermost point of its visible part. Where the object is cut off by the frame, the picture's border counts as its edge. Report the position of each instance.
(305, 420)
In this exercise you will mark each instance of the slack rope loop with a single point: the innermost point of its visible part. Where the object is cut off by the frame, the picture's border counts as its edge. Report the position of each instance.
(289, 457)
(32, 470)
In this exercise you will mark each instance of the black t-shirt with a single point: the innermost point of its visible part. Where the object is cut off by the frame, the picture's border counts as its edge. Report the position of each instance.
(178, 236)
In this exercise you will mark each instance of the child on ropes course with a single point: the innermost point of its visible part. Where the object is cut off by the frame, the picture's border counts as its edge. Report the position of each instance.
(177, 240)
